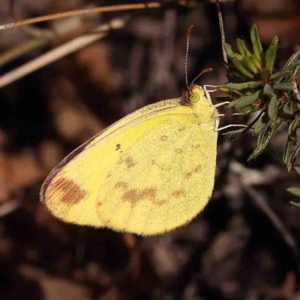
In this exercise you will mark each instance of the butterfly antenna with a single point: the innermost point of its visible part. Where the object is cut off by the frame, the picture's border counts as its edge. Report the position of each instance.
(222, 31)
(201, 73)
(188, 38)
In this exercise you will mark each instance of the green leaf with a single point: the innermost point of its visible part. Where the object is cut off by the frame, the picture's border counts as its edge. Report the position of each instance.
(268, 90)
(245, 85)
(256, 62)
(264, 74)
(294, 191)
(293, 66)
(297, 169)
(294, 58)
(294, 156)
(288, 108)
(250, 65)
(238, 64)
(295, 203)
(270, 54)
(234, 75)
(262, 122)
(256, 43)
(283, 86)
(229, 51)
(280, 74)
(263, 140)
(293, 127)
(240, 46)
(246, 100)
(287, 151)
(223, 88)
(272, 108)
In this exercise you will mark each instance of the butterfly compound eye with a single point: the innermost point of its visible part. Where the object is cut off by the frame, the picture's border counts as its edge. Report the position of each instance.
(195, 95)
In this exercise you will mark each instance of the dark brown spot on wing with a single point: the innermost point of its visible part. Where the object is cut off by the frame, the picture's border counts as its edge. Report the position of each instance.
(118, 147)
(179, 150)
(178, 193)
(133, 196)
(71, 192)
(161, 202)
(163, 138)
(188, 175)
(197, 169)
(129, 162)
(121, 184)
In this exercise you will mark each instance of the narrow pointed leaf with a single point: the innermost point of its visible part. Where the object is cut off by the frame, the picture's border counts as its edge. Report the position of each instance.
(261, 123)
(270, 54)
(250, 65)
(263, 140)
(268, 90)
(247, 100)
(292, 59)
(224, 89)
(229, 51)
(242, 86)
(295, 203)
(287, 151)
(293, 127)
(238, 64)
(294, 191)
(283, 86)
(242, 47)
(272, 108)
(297, 169)
(288, 108)
(294, 156)
(279, 74)
(256, 43)
(256, 62)
(293, 66)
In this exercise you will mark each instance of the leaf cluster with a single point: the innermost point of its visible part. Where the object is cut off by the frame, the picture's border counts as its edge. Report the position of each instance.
(254, 85)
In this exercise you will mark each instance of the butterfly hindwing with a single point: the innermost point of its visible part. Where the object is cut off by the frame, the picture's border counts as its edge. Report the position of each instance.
(149, 192)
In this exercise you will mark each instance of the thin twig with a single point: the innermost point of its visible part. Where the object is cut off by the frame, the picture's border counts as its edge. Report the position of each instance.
(80, 12)
(222, 31)
(60, 52)
(122, 7)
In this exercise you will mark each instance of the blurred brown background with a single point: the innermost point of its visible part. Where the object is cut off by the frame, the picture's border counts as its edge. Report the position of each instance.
(245, 243)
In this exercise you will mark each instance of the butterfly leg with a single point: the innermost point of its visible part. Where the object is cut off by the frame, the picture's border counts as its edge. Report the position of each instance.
(240, 114)
(207, 91)
(221, 104)
(210, 86)
(231, 125)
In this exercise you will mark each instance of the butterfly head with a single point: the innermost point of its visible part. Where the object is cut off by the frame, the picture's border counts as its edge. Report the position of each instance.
(196, 93)
(192, 95)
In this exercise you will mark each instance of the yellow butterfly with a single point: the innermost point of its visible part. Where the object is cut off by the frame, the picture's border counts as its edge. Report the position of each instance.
(148, 173)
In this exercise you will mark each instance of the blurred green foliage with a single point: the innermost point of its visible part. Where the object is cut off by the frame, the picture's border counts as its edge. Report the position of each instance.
(254, 86)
